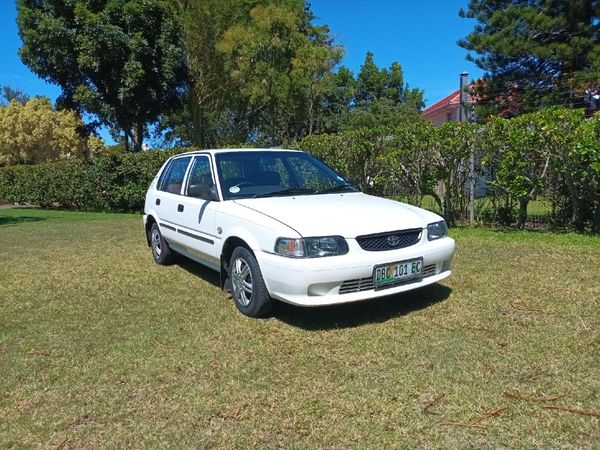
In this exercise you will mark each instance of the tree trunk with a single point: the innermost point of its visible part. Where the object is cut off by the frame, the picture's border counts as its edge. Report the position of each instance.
(448, 212)
(596, 217)
(311, 106)
(138, 137)
(523, 202)
(576, 219)
(439, 194)
(576, 214)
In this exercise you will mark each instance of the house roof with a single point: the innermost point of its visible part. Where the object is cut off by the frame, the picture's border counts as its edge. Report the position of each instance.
(452, 99)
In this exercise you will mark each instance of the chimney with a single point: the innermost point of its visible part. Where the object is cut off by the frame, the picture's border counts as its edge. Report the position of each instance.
(464, 83)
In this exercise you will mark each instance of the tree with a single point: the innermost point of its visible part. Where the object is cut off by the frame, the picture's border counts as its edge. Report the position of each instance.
(452, 145)
(574, 151)
(522, 159)
(276, 64)
(9, 94)
(204, 117)
(358, 154)
(257, 72)
(262, 71)
(34, 132)
(382, 98)
(534, 52)
(119, 60)
(340, 88)
(408, 161)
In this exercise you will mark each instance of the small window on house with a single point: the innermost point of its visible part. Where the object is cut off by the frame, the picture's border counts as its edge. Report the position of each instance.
(174, 173)
(449, 117)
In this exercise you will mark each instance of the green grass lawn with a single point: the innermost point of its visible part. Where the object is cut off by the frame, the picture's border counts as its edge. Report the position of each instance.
(102, 348)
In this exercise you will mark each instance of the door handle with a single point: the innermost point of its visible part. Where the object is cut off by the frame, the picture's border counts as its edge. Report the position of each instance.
(158, 201)
(180, 208)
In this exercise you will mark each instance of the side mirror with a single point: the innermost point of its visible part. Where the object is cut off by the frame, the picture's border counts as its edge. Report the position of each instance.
(203, 191)
(213, 194)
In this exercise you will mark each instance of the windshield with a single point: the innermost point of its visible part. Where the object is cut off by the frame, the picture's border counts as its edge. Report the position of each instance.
(249, 174)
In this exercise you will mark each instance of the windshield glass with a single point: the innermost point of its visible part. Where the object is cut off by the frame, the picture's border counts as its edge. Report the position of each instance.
(249, 174)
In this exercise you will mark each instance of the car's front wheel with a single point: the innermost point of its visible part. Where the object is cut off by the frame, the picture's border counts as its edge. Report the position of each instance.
(160, 249)
(248, 288)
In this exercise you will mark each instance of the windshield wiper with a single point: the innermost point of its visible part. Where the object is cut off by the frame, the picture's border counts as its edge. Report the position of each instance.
(286, 192)
(337, 188)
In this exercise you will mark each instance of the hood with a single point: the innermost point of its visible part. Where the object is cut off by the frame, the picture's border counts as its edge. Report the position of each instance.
(348, 214)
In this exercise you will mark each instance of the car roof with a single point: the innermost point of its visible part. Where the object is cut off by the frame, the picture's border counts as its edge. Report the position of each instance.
(215, 151)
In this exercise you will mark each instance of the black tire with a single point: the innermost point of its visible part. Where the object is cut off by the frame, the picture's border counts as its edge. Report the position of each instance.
(248, 288)
(160, 249)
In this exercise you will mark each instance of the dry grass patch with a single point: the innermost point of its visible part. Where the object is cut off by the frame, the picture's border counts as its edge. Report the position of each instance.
(100, 347)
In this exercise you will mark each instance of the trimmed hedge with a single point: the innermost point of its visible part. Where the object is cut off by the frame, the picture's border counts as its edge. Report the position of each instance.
(113, 182)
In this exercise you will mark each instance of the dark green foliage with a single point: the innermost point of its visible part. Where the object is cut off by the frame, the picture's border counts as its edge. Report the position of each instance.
(262, 71)
(553, 154)
(113, 182)
(357, 154)
(256, 72)
(535, 52)
(210, 73)
(340, 88)
(7, 94)
(120, 60)
(381, 96)
(414, 157)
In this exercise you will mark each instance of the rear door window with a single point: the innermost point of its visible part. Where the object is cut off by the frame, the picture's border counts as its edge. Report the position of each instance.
(174, 174)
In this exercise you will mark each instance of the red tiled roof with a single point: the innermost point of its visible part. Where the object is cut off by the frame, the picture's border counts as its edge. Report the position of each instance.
(453, 98)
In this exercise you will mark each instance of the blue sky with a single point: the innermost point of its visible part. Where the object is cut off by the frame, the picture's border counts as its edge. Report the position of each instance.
(420, 35)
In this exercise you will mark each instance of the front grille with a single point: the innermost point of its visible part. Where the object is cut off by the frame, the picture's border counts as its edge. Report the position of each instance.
(366, 284)
(428, 270)
(362, 284)
(391, 240)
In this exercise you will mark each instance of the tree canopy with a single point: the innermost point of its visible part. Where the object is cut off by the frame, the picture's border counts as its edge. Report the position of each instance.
(207, 72)
(381, 97)
(34, 132)
(120, 60)
(257, 72)
(262, 71)
(7, 94)
(535, 52)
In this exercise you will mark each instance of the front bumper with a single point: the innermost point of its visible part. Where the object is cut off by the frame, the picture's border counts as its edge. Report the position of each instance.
(348, 278)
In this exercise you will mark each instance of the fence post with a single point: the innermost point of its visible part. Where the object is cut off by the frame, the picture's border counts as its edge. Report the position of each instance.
(464, 117)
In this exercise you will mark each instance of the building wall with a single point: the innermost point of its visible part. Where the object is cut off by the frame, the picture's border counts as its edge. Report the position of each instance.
(449, 113)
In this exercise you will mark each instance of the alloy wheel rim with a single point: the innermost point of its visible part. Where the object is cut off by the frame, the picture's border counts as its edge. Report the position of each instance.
(156, 243)
(241, 282)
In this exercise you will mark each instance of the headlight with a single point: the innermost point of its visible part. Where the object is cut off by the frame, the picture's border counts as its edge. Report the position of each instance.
(437, 230)
(311, 247)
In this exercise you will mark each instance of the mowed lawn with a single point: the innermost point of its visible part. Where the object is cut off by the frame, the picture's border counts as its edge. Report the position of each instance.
(102, 348)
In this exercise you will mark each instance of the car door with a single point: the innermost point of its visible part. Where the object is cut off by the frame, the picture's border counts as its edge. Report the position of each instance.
(197, 208)
(167, 198)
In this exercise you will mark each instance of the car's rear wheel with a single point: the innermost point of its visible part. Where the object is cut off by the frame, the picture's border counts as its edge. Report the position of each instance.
(160, 249)
(248, 288)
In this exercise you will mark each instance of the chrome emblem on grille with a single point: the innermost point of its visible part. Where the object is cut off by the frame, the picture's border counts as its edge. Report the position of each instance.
(393, 240)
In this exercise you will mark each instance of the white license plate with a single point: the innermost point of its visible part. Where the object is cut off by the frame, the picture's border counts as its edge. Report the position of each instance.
(397, 272)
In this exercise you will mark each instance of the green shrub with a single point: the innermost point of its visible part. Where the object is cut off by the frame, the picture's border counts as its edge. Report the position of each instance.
(111, 182)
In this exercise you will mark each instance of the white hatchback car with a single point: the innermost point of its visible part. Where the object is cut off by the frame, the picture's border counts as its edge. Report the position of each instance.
(280, 224)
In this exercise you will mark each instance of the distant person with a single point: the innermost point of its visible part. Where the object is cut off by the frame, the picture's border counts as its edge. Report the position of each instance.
(146, 147)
